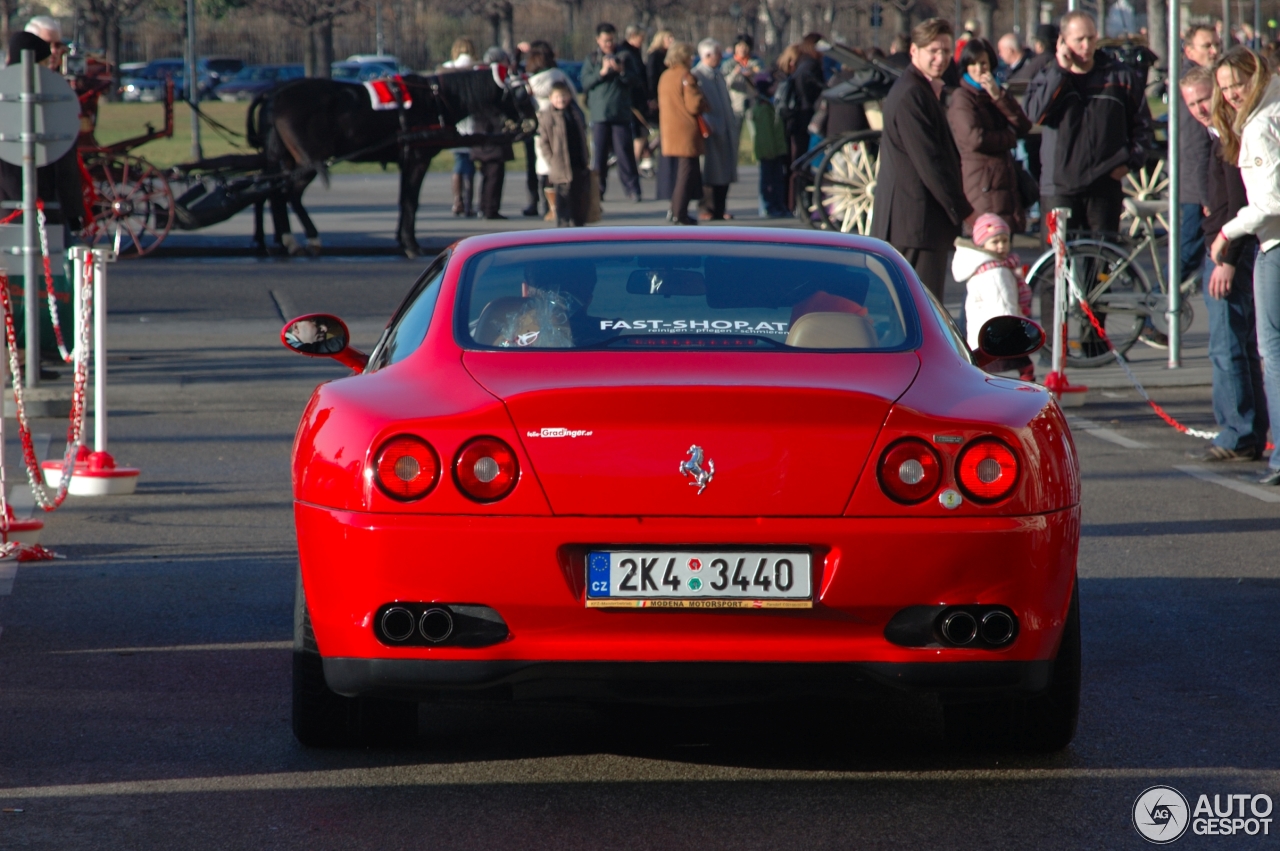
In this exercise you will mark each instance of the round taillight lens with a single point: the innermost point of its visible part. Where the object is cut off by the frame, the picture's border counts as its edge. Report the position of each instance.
(987, 470)
(909, 471)
(406, 467)
(486, 469)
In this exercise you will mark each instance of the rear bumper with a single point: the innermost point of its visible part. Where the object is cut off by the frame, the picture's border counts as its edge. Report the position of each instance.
(531, 570)
(659, 681)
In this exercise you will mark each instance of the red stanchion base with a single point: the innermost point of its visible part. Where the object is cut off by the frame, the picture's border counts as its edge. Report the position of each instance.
(23, 531)
(1069, 395)
(95, 474)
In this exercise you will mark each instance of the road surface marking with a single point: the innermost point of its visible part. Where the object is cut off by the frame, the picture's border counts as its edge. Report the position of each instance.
(1266, 494)
(611, 769)
(1107, 434)
(182, 648)
(7, 573)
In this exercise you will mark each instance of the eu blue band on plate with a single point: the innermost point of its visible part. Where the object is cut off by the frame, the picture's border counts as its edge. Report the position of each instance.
(598, 575)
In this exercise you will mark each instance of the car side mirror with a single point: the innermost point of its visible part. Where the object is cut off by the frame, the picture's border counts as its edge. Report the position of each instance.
(319, 335)
(1007, 337)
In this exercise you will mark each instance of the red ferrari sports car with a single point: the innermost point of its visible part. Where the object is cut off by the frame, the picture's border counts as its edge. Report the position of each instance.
(704, 465)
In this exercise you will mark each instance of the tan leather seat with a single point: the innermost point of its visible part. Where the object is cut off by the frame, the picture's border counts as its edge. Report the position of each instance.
(832, 331)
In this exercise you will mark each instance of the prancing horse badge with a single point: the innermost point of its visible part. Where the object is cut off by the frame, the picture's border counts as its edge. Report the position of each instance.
(692, 466)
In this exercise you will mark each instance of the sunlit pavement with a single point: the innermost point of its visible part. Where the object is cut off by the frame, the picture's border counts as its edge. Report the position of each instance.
(144, 680)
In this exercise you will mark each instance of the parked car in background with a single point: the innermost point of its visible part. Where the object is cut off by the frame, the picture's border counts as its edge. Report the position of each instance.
(359, 72)
(213, 71)
(252, 80)
(573, 70)
(147, 84)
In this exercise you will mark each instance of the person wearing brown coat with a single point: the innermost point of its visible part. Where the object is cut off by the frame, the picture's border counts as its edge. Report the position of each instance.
(562, 141)
(987, 122)
(919, 200)
(680, 102)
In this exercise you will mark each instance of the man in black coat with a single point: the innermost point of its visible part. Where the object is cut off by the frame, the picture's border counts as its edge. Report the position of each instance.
(920, 205)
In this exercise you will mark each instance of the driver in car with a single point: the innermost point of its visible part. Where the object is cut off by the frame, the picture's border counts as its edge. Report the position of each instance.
(314, 337)
(551, 312)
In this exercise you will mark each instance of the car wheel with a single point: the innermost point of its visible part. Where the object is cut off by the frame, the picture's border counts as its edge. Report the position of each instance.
(322, 718)
(1042, 724)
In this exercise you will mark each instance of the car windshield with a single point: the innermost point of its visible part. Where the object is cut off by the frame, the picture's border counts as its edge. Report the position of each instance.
(693, 295)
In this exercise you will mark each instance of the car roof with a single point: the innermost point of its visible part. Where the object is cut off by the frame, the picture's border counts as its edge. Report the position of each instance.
(789, 236)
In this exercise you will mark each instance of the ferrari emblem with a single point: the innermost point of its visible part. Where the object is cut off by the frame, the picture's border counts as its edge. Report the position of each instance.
(692, 466)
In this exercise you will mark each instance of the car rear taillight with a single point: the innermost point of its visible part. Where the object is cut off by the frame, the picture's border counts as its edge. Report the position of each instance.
(486, 469)
(909, 471)
(987, 470)
(406, 467)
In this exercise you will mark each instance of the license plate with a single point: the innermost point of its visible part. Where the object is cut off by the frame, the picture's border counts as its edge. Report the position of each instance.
(699, 579)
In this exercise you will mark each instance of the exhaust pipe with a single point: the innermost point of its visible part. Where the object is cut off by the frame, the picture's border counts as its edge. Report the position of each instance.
(997, 628)
(398, 624)
(436, 625)
(959, 628)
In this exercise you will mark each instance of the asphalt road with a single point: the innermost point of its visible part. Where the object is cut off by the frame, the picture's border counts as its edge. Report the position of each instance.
(144, 680)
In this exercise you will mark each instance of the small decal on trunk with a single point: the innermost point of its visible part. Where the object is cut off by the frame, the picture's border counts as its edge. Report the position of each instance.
(559, 432)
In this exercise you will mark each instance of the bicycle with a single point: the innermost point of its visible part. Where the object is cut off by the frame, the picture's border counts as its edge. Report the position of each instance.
(1111, 279)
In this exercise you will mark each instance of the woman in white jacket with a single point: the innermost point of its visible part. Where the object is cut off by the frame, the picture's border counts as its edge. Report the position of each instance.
(1246, 113)
(540, 65)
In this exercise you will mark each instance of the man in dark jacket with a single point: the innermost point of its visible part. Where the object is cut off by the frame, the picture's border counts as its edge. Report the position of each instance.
(59, 181)
(1097, 127)
(1200, 48)
(919, 202)
(1239, 399)
(608, 78)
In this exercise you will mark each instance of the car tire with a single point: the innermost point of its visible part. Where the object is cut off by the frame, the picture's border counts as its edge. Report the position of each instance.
(322, 718)
(1045, 723)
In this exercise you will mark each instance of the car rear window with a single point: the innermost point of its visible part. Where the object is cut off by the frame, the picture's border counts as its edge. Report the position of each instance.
(692, 295)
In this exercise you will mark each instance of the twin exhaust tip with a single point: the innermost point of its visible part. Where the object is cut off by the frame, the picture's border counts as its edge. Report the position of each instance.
(993, 627)
(435, 625)
(407, 624)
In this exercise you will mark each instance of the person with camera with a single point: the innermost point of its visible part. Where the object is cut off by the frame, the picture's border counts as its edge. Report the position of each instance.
(608, 79)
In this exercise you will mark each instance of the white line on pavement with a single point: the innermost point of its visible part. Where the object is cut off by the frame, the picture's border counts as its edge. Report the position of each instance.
(1264, 494)
(1107, 434)
(7, 573)
(607, 769)
(180, 648)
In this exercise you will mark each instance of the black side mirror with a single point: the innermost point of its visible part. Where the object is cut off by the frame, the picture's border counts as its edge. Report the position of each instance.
(1007, 337)
(319, 335)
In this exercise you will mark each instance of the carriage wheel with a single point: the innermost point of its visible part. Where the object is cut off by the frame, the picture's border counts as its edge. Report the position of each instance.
(1150, 183)
(846, 183)
(132, 204)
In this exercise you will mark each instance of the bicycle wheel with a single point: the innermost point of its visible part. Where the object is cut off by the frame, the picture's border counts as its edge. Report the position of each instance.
(1116, 290)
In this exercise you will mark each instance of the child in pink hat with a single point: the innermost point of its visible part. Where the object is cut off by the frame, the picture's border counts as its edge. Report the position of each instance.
(992, 275)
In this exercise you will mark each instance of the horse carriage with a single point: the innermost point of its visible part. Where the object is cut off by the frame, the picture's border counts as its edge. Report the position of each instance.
(296, 132)
(839, 190)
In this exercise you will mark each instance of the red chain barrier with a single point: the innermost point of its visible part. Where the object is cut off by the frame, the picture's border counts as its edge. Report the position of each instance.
(1160, 412)
(75, 428)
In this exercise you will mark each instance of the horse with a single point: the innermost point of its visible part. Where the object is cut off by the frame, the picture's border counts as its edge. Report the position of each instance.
(305, 125)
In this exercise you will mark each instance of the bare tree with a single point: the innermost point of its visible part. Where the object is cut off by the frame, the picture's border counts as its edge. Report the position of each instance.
(108, 16)
(774, 15)
(316, 17)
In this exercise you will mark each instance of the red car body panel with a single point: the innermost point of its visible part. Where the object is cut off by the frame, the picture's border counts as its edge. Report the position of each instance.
(795, 437)
(531, 571)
